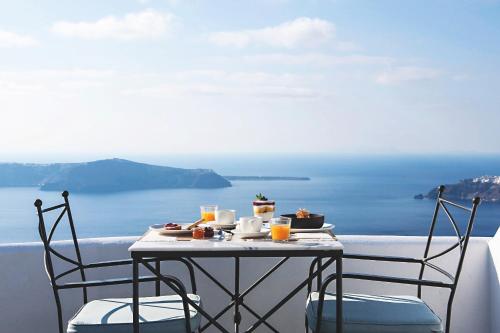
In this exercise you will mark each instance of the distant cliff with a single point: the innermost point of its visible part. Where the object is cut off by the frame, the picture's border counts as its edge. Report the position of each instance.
(111, 175)
(485, 187)
(265, 178)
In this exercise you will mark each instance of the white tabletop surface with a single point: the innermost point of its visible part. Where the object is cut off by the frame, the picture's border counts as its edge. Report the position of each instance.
(154, 242)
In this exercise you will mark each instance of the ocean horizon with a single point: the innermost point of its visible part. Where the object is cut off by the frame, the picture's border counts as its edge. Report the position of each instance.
(371, 195)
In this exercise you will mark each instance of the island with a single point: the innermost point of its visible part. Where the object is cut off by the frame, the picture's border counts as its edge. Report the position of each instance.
(485, 187)
(266, 178)
(110, 175)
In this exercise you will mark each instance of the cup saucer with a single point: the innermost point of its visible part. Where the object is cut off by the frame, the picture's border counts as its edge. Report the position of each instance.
(222, 226)
(257, 234)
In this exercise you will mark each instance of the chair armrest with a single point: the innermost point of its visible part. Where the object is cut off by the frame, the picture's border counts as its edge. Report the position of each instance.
(123, 262)
(391, 279)
(382, 258)
(112, 263)
(400, 280)
(108, 282)
(109, 263)
(98, 265)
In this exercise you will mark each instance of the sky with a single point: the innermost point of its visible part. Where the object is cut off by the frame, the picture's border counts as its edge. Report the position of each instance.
(127, 77)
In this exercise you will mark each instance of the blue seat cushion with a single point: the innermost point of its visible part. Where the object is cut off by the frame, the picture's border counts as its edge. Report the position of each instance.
(114, 315)
(375, 314)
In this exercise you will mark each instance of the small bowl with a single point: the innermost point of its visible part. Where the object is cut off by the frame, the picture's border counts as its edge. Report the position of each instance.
(314, 221)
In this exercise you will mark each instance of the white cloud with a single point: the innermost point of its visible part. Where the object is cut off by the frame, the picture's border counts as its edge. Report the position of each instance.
(11, 39)
(303, 31)
(319, 59)
(241, 84)
(68, 83)
(60, 83)
(264, 91)
(242, 77)
(407, 73)
(14, 88)
(57, 74)
(170, 2)
(148, 24)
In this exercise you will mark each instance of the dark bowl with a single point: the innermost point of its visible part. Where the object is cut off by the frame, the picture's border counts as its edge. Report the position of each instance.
(314, 221)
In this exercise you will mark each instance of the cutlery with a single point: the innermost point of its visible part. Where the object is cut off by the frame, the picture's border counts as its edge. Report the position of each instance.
(195, 224)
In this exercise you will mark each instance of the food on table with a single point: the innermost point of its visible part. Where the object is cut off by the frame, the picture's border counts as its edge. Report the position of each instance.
(208, 216)
(261, 197)
(280, 232)
(280, 228)
(225, 216)
(303, 213)
(172, 226)
(208, 212)
(209, 232)
(303, 219)
(263, 207)
(198, 233)
(203, 232)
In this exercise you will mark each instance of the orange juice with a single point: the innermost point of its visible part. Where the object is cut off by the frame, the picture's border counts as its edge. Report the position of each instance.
(208, 212)
(280, 232)
(208, 216)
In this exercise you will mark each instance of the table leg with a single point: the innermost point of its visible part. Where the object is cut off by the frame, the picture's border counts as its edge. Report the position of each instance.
(135, 295)
(157, 283)
(319, 278)
(339, 294)
(237, 315)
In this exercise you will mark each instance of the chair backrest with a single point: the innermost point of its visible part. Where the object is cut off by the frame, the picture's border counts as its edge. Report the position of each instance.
(462, 238)
(50, 253)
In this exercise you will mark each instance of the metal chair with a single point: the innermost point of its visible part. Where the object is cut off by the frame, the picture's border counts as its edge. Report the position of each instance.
(393, 313)
(158, 314)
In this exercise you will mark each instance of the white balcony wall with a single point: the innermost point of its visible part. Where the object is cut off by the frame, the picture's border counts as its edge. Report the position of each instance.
(27, 302)
(494, 247)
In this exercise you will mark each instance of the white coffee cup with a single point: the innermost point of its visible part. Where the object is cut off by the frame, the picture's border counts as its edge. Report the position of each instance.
(225, 216)
(250, 224)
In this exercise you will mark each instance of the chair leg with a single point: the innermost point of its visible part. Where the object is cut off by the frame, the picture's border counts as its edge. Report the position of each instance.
(59, 312)
(448, 313)
(448, 322)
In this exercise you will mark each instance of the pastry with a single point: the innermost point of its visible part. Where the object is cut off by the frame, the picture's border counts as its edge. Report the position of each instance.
(172, 226)
(302, 213)
(208, 232)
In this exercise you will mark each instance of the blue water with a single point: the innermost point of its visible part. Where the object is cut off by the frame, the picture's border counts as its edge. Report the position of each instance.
(360, 195)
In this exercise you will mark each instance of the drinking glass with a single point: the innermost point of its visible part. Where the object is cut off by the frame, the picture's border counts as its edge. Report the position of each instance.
(280, 228)
(208, 212)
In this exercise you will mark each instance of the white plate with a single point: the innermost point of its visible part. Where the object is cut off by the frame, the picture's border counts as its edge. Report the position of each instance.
(325, 227)
(162, 231)
(219, 226)
(263, 233)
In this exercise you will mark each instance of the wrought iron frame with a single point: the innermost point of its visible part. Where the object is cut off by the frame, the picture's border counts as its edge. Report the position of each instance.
(49, 252)
(462, 242)
(237, 297)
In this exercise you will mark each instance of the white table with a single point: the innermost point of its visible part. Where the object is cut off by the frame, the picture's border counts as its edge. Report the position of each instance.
(319, 247)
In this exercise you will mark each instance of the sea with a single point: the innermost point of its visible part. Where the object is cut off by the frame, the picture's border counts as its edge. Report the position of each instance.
(362, 195)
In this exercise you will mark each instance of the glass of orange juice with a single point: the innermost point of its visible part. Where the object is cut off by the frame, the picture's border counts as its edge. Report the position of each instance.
(208, 212)
(280, 228)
